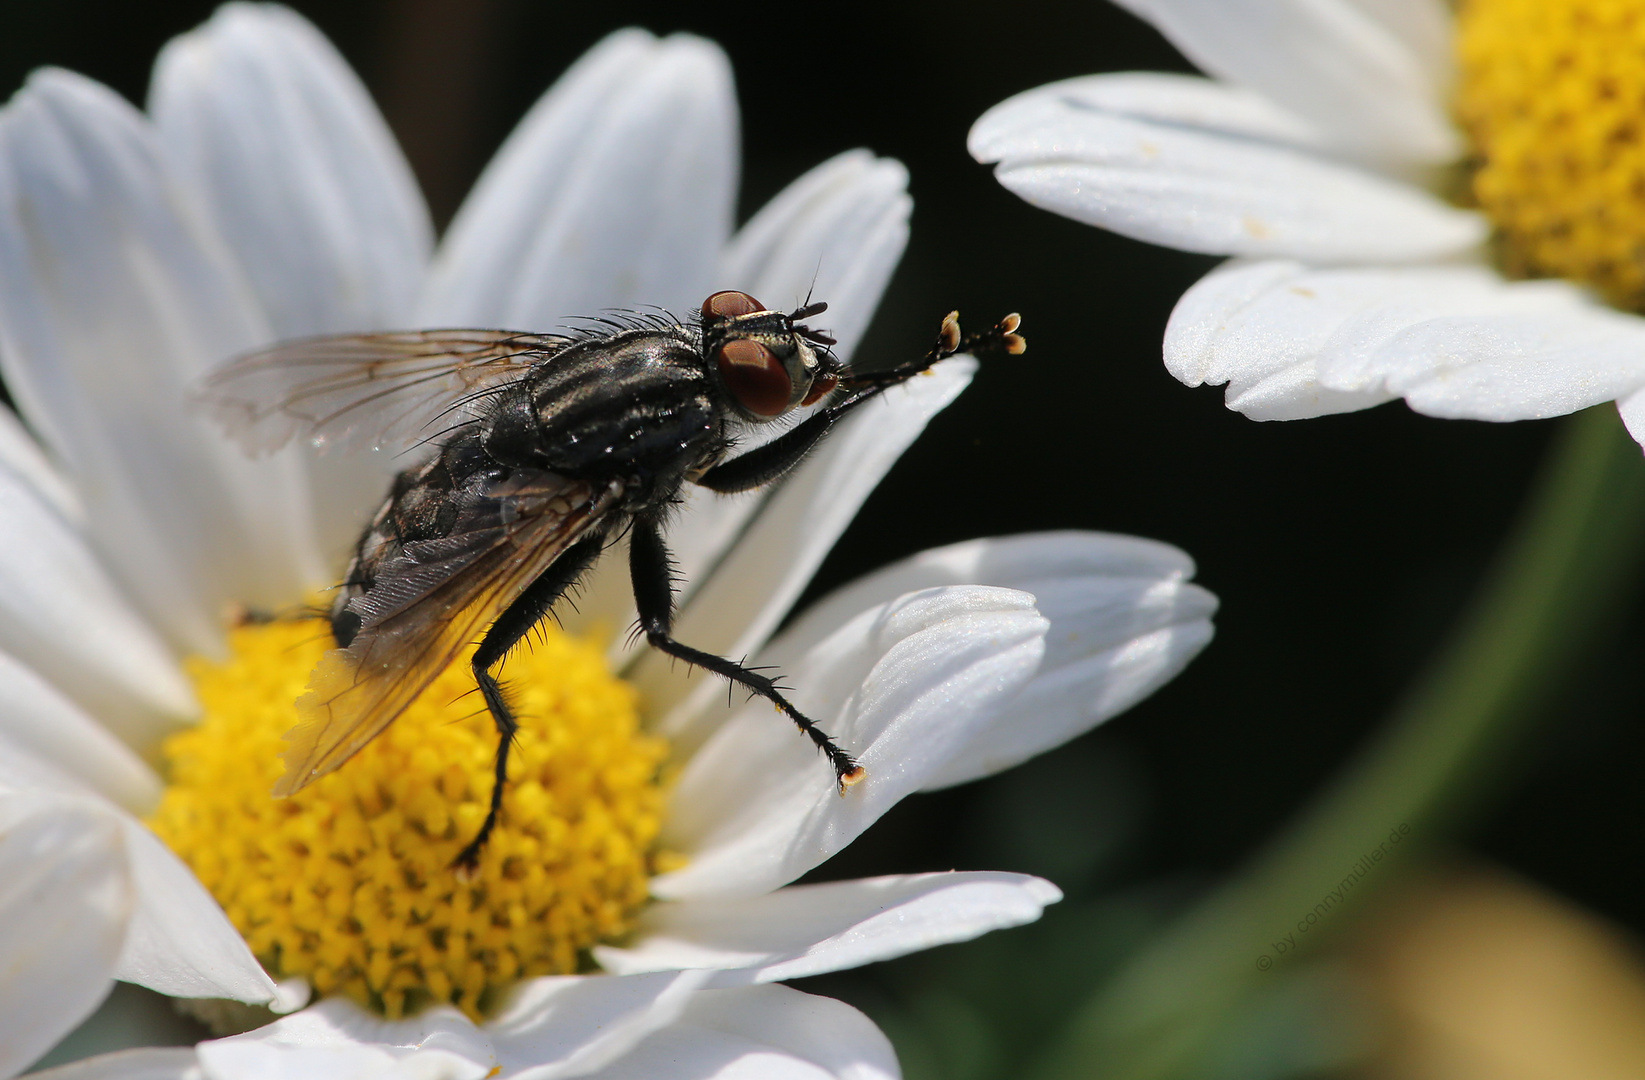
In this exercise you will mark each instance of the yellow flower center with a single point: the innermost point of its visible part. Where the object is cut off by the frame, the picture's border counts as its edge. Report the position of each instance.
(1552, 94)
(349, 883)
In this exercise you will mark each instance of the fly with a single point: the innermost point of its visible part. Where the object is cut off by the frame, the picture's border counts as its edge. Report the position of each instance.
(549, 448)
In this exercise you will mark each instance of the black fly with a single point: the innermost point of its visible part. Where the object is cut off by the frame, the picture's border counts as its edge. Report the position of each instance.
(550, 447)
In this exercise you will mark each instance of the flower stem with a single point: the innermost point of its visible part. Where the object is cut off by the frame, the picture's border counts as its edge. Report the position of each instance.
(1565, 575)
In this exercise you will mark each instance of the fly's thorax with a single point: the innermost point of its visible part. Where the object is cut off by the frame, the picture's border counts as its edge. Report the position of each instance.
(639, 403)
(510, 430)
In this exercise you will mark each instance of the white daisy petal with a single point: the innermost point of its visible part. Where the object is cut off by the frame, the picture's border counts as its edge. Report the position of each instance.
(737, 607)
(762, 1033)
(1333, 61)
(810, 929)
(1078, 150)
(36, 716)
(1113, 642)
(338, 1040)
(1424, 26)
(1518, 367)
(1124, 621)
(903, 686)
(179, 941)
(62, 617)
(1007, 561)
(1255, 328)
(1632, 409)
(573, 1025)
(616, 190)
(64, 899)
(1293, 341)
(113, 297)
(1185, 101)
(141, 1063)
(835, 234)
(320, 205)
(23, 457)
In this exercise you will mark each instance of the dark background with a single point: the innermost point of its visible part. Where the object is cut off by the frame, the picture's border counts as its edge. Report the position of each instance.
(1341, 548)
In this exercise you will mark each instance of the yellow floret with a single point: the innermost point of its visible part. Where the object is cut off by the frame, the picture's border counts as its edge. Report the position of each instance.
(349, 883)
(1552, 95)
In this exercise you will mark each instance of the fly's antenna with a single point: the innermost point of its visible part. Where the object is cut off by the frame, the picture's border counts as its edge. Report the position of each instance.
(815, 274)
(806, 311)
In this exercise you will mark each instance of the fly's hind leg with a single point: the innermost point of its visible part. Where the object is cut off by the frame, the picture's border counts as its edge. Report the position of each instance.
(512, 625)
(654, 597)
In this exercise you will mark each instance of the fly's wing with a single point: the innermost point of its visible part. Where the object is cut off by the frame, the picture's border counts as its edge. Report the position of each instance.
(365, 390)
(426, 605)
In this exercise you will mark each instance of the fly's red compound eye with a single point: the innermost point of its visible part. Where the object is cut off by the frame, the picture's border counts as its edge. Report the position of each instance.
(730, 304)
(754, 375)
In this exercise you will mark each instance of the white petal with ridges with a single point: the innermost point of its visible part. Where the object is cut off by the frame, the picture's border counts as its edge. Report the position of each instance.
(114, 296)
(1632, 409)
(21, 456)
(1113, 642)
(835, 234)
(303, 179)
(806, 930)
(1244, 189)
(1454, 340)
(1124, 620)
(62, 616)
(142, 1063)
(338, 1040)
(762, 1033)
(36, 716)
(179, 941)
(1423, 26)
(736, 609)
(1183, 101)
(64, 899)
(616, 190)
(574, 1025)
(1343, 65)
(902, 686)
(297, 168)
(1516, 367)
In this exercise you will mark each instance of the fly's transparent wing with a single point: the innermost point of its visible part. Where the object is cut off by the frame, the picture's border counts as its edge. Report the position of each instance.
(425, 606)
(365, 390)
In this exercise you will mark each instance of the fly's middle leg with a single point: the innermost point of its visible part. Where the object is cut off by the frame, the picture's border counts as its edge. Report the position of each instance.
(654, 597)
(511, 626)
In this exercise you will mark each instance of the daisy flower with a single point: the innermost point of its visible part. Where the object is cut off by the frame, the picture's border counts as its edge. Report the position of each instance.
(1384, 174)
(632, 911)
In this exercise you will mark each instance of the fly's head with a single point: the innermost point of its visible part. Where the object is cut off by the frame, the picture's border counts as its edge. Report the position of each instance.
(769, 362)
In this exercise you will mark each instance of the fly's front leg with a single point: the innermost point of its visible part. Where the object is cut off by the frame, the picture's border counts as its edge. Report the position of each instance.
(766, 463)
(654, 597)
(1002, 337)
(513, 624)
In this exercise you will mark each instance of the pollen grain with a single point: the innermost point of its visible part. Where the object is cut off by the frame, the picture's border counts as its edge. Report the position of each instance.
(1552, 95)
(348, 883)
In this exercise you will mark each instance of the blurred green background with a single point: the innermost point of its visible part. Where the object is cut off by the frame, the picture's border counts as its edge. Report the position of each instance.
(1343, 550)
